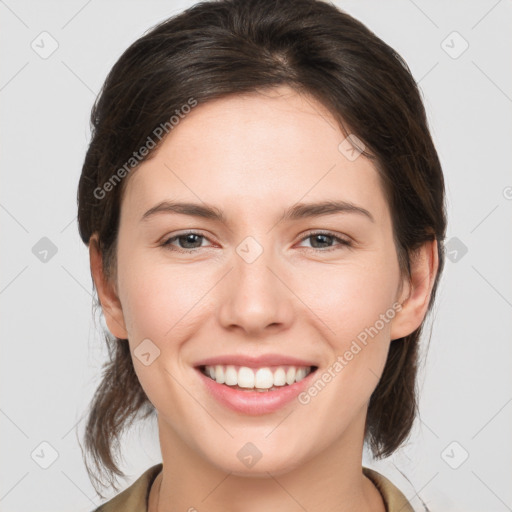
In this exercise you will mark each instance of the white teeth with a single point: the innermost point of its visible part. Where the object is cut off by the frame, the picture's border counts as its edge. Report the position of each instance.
(245, 377)
(219, 374)
(262, 378)
(279, 377)
(290, 375)
(231, 377)
(301, 373)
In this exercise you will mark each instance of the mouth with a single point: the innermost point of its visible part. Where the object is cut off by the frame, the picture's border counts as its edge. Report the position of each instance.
(261, 380)
(255, 385)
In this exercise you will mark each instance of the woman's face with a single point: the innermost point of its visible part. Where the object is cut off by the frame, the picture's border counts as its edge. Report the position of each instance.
(258, 282)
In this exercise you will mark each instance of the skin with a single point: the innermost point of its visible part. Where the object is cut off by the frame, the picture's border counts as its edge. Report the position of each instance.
(253, 156)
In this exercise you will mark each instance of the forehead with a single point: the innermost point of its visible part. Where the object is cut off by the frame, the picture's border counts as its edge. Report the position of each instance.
(273, 148)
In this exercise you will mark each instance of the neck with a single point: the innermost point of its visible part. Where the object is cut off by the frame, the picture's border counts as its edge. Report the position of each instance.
(331, 480)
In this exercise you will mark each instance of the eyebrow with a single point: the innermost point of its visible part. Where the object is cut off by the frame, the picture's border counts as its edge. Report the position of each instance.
(296, 212)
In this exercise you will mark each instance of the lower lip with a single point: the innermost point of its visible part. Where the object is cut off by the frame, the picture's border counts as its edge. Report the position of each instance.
(254, 402)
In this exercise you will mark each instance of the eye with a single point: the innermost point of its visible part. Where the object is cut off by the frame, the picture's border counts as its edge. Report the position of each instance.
(188, 241)
(322, 239)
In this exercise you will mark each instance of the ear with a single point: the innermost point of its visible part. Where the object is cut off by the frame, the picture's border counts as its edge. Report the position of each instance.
(416, 292)
(107, 293)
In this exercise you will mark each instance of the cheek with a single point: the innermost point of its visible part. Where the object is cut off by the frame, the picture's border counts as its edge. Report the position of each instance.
(158, 301)
(158, 305)
(354, 311)
(349, 298)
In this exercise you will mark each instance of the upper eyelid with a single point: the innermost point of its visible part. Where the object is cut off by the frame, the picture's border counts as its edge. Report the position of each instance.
(324, 232)
(342, 239)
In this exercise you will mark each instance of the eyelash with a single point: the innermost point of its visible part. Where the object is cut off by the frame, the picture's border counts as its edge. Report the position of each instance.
(342, 241)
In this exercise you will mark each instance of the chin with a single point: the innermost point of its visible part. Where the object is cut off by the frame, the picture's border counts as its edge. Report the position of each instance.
(276, 464)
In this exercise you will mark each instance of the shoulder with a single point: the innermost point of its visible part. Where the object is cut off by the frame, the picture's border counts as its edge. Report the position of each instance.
(134, 498)
(393, 498)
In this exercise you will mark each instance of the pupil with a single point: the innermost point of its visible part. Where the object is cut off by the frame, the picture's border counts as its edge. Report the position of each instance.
(189, 239)
(316, 237)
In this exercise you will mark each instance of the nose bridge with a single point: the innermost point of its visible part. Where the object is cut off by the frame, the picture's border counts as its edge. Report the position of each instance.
(255, 298)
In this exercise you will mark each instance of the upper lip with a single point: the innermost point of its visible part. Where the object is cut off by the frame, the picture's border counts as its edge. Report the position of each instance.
(254, 361)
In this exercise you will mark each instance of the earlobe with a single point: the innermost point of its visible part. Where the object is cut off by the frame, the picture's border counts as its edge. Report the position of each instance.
(416, 295)
(107, 294)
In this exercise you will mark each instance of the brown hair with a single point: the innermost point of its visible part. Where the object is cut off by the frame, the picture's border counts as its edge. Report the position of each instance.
(226, 47)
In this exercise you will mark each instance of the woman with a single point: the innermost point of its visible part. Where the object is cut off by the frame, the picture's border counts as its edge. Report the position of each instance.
(264, 210)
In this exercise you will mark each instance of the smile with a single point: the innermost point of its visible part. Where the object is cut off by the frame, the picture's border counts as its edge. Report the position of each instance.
(255, 391)
(256, 379)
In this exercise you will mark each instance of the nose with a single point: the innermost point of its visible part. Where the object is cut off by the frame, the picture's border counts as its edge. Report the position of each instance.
(255, 297)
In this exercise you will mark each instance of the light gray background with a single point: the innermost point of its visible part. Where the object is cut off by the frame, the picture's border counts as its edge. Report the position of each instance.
(51, 349)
